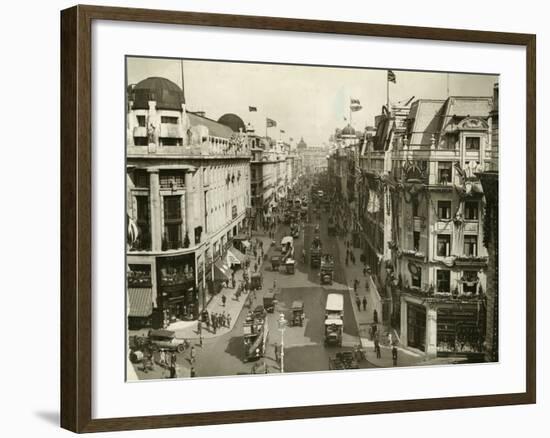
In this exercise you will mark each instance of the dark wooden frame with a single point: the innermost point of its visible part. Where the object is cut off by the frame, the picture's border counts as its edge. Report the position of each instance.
(76, 177)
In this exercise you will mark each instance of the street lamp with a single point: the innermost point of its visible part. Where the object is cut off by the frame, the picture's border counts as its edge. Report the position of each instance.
(282, 326)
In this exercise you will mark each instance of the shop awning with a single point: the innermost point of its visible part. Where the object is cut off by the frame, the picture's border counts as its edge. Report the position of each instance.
(140, 301)
(234, 256)
(221, 270)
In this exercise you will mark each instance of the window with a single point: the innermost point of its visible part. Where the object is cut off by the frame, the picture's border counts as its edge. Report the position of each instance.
(416, 240)
(172, 222)
(170, 141)
(172, 208)
(472, 143)
(471, 210)
(470, 246)
(469, 282)
(139, 275)
(416, 279)
(143, 241)
(141, 178)
(444, 209)
(444, 172)
(443, 245)
(443, 281)
(170, 120)
(171, 179)
(140, 141)
(141, 121)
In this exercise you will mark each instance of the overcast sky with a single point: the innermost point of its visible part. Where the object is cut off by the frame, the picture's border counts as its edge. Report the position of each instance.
(307, 102)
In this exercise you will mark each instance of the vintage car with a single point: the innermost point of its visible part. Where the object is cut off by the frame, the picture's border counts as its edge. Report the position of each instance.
(270, 300)
(298, 317)
(256, 281)
(166, 340)
(275, 262)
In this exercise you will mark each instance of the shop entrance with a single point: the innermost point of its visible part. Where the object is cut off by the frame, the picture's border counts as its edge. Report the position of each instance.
(416, 326)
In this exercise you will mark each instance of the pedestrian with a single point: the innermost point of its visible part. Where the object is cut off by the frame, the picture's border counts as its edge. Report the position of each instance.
(255, 267)
(173, 373)
(207, 318)
(228, 321)
(162, 360)
(223, 300)
(274, 284)
(199, 327)
(358, 303)
(375, 316)
(390, 339)
(174, 357)
(365, 271)
(276, 352)
(374, 328)
(365, 303)
(192, 372)
(377, 348)
(394, 355)
(200, 340)
(355, 282)
(192, 355)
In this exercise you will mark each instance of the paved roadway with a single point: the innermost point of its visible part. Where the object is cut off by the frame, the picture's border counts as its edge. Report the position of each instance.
(304, 349)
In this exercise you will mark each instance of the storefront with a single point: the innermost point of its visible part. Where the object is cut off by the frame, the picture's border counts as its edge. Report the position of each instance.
(177, 290)
(139, 296)
(416, 326)
(460, 329)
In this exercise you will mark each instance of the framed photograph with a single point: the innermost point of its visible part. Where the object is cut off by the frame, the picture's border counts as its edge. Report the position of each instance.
(305, 218)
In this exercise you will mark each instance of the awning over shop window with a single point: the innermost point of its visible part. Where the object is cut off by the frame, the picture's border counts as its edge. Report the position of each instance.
(234, 256)
(140, 301)
(221, 270)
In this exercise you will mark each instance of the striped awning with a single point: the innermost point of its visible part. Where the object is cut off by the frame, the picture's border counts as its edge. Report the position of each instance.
(234, 256)
(140, 301)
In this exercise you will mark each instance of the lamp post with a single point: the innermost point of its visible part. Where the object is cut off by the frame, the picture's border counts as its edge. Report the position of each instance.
(282, 326)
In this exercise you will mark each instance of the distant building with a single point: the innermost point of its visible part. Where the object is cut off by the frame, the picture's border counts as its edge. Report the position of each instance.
(188, 190)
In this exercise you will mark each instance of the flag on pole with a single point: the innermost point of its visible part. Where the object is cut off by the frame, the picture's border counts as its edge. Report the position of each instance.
(252, 109)
(355, 101)
(270, 123)
(391, 76)
(282, 131)
(354, 108)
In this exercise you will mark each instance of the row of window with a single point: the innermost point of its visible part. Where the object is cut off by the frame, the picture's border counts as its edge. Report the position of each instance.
(169, 120)
(471, 210)
(443, 247)
(443, 281)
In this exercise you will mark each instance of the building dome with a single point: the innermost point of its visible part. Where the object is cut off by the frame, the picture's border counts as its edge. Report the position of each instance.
(302, 144)
(348, 131)
(164, 92)
(233, 121)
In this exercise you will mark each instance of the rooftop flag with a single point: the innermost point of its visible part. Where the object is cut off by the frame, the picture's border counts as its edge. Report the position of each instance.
(391, 76)
(355, 101)
(252, 109)
(282, 131)
(354, 108)
(270, 123)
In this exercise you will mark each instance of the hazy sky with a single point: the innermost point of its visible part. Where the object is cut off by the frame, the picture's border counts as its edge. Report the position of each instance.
(305, 101)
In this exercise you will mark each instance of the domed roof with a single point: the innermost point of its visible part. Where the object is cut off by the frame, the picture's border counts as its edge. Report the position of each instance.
(233, 121)
(348, 131)
(302, 144)
(164, 92)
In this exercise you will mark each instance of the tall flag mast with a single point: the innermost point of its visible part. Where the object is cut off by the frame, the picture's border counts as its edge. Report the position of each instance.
(390, 78)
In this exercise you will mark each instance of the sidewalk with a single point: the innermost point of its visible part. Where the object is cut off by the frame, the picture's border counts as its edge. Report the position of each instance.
(365, 318)
(233, 307)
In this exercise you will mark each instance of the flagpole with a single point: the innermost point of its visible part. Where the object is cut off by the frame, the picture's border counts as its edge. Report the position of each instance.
(387, 91)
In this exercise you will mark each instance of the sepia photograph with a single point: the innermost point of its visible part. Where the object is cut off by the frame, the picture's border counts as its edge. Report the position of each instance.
(289, 218)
